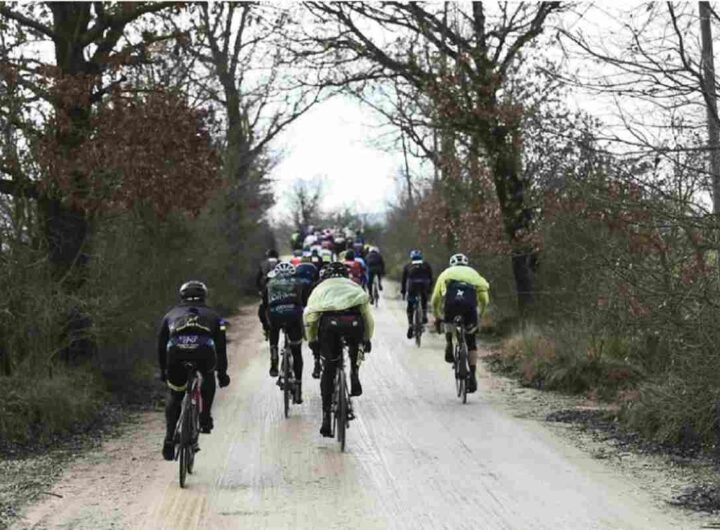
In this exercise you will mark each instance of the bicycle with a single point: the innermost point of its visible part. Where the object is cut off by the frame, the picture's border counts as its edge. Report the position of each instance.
(460, 359)
(287, 381)
(341, 409)
(187, 430)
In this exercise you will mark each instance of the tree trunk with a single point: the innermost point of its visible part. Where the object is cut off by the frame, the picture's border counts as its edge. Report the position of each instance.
(511, 188)
(713, 126)
(65, 221)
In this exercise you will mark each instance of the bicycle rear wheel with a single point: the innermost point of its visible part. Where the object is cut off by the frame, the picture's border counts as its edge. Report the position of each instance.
(462, 370)
(185, 442)
(341, 417)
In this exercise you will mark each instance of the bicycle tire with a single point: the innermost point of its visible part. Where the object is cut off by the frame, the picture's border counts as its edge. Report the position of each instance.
(183, 466)
(463, 362)
(193, 431)
(286, 382)
(342, 411)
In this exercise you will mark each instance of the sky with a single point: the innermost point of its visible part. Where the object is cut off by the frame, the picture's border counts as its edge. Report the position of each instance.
(334, 142)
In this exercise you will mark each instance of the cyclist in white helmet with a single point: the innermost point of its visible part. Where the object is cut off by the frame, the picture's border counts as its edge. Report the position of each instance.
(461, 291)
(284, 300)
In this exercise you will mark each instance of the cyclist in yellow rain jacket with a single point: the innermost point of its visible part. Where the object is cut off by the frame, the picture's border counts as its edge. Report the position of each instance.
(461, 291)
(337, 308)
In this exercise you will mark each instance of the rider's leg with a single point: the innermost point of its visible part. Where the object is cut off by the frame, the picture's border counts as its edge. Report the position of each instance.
(262, 315)
(295, 334)
(355, 386)
(423, 301)
(331, 349)
(380, 281)
(410, 309)
(176, 380)
(470, 339)
(275, 327)
(208, 396)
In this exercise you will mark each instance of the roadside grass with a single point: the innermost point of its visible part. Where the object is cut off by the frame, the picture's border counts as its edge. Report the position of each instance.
(566, 361)
(36, 409)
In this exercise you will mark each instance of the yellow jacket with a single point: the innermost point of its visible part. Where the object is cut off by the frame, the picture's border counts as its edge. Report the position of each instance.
(460, 273)
(336, 294)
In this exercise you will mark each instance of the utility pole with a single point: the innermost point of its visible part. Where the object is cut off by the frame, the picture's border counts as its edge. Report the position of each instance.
(710, 95)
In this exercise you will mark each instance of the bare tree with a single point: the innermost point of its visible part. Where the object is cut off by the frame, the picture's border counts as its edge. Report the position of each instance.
(470, 59)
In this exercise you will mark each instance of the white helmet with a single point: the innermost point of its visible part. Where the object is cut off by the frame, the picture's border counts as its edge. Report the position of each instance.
(284, 269)
(459, 259)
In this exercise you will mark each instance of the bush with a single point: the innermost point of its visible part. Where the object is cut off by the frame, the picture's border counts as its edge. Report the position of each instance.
(568, 362)
(38, 408)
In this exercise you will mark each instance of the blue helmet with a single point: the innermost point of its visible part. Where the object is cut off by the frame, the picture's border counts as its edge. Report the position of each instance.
(415, 255)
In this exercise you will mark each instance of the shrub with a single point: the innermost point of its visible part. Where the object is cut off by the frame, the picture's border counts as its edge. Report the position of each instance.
(38, 408)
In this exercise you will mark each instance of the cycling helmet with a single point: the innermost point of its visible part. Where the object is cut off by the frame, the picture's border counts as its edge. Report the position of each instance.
(459, 259)
(193, 290)
(416, 255)
(334, 270)
(271, 253)
(284, 270)
(349, 255)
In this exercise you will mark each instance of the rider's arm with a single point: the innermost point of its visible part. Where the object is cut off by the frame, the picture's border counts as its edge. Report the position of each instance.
(438, 294)
(311, 320)
(483, 299)
(259, 279)
(403, 282)
(163, 337)
(221, 346)
(368, 321)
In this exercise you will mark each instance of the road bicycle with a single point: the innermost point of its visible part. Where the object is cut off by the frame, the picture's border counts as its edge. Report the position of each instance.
(341, 409)
(461, 369)
(287, 382)
(187, 430)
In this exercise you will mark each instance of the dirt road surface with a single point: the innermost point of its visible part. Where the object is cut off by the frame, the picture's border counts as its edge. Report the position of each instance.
(416, 458)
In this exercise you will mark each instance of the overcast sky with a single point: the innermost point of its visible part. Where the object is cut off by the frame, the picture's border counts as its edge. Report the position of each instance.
(334, 141)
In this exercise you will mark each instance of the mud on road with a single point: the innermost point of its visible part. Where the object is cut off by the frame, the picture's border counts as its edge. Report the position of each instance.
(416, 458)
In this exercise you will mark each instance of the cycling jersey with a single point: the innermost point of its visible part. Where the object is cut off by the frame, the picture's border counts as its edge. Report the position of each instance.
(465, 274)
(337, 294)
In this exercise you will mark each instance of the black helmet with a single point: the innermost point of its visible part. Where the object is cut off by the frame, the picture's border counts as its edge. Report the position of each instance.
(349, 255)
(334, 270)
(193, 290)
(271, 253)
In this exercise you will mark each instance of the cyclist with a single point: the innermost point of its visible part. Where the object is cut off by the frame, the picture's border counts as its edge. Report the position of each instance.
(308, 274)
(417, 279)
(461, 291)
(337, 295)
(268, 264)
(356, 268)
(376, 267)
(285, 309)
(191, 331)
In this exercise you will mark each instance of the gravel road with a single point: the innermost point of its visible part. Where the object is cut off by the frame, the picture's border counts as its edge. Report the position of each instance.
(416, 458)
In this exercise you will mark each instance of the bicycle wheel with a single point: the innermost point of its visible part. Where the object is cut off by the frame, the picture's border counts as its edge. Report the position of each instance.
(194, 435)
(287, 390)
(185, 442)
(463, 370)
(376, 292)
(341, 418)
